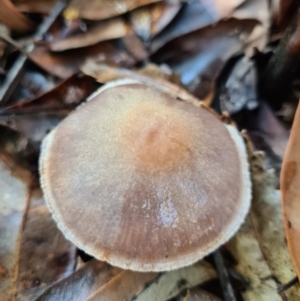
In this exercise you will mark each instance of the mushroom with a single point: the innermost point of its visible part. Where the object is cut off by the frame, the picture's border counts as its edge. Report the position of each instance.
(145, 181)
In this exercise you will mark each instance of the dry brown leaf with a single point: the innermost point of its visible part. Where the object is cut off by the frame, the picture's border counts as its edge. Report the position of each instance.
(200, 56)
(100, 281)
(82, 283)
(33, 253)
(103, 9)
(104, 73)
(125, 286)
(290, 190)
(65, 64)
(135, 47)
(12, 18)
(195, 15)
(15, 193)
(33, 6)
(148, 21)
(45, 254)
(35, 118)
(259, 247)
(105, 30)
(160, 72)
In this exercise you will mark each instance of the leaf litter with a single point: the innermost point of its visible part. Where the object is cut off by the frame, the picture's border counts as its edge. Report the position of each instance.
(214, 50)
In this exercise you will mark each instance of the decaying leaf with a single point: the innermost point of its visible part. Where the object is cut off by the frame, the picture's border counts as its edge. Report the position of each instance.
(35, 118)
(103, 31)
(82, 283)
(67, 63)
(33, 252)
(104, 73)
(290, 189)
(200, 56)
(15, 193)
(170, 284)
(194, 16)
(103, 9)
(100, 281)
(259, 247)
(45, 255)
(12, 18)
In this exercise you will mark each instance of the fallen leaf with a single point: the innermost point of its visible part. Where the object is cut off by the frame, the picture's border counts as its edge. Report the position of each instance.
(148, 21)
(102, 31)
(12, 18)
(81, 284)
(200, 56)
(104, 73)
(135, 47)
(35, 118)
(45, 254)
(64, 64)
(170, 284)
(125, 286)
(103, 9)
(289, 182)
(259, 247)
(30, 240)
(33, 6)
(15, 193)
(194, 15)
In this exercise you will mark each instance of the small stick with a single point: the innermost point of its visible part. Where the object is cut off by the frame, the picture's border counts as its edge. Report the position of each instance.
(15, 73)
(286, 286)
(223, 276)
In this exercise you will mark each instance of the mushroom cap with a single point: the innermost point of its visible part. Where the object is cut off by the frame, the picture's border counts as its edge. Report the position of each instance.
(143, 181)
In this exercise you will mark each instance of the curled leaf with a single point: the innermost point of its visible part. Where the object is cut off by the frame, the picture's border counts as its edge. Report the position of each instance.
(290, 190)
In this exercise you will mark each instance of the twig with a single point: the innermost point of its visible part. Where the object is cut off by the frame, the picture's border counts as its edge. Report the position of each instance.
(223, 276)
(14, 75)
(286, 286)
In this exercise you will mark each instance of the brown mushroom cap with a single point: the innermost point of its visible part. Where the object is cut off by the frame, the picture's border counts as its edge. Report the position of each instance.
(143, 181)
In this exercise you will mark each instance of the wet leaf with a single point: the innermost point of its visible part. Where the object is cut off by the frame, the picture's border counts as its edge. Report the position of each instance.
(12, 18)
(103, 9)
(102, 31)
(289, 181)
